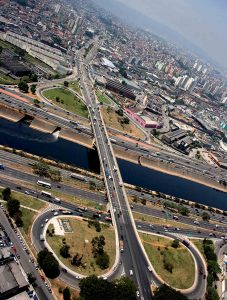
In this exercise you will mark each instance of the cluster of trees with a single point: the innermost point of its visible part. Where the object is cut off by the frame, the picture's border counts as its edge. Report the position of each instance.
(96, 288)
(23, 84)
(44, 170)
(76, 259)
(95, 224)
(165, 292)
(183, 210)
(13, 207)
(124, 120)
(213, 269)
(48, 263)
(101, 257)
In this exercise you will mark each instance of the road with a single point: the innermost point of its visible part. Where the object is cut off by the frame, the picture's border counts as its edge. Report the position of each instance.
(25, 259)
(124, 141)
(72, 281)
(212, 229)
(133, 257)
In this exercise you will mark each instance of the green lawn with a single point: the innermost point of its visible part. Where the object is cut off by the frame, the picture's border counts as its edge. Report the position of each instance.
(27, 217)
(28, 201)
(102, 97)
(76, 241)
(4, 79)
(75, 86)
(67, 101)
(159, 251)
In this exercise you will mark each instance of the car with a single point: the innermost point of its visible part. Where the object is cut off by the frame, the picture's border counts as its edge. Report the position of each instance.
(137, 294)
(77, 277)
(27, 192)
(139, 226)
(42, 225)
(46, 220)
(55, 213)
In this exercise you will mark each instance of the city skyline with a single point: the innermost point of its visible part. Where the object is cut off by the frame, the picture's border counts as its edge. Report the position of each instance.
(197, 24)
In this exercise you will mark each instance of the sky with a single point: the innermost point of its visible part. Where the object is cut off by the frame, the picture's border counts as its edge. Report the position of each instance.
(201, 22)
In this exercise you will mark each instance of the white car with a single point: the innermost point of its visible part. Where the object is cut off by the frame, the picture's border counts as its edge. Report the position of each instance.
(27, 192)
(55, 213)
(46, 220)
(137, 294)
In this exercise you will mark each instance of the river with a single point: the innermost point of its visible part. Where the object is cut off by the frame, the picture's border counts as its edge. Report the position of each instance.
(20, 136)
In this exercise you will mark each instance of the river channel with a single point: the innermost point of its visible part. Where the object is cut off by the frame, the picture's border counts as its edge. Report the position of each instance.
(20, 136)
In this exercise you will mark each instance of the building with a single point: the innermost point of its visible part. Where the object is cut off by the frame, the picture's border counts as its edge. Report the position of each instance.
(12, 281)
(119, 88)
(143, 120)
(174, 136)
(51, 56)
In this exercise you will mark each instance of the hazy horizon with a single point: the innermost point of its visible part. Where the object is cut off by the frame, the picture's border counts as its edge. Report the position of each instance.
(202, 23)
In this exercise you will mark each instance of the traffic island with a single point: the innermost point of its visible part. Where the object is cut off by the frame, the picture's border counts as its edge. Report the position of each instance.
(172, 262)
(86, 247)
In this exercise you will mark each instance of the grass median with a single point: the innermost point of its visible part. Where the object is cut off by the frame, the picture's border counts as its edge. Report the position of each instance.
(67, 100)
(79, 241)
(174, 265)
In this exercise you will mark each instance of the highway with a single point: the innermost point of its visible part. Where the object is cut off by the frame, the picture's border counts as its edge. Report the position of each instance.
(133, 257)
(72, 281)
(25, 259)
(9, 172)
(119, 139)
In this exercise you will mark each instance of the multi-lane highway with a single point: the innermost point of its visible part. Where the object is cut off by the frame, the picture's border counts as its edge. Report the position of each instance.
(134, 260)
(123, 141)
(10, 172)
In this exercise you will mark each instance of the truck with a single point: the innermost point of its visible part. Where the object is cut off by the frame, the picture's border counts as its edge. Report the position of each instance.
(121, 246)
(77, 176)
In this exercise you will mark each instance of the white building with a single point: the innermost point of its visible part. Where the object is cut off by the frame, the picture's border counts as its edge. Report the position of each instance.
(51, 56)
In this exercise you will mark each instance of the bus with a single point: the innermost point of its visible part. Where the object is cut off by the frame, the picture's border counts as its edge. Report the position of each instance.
(44, 184)
(77, 176)
(46, 194)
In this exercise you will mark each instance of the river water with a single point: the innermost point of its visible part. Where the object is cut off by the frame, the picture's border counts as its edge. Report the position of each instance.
(20, 136)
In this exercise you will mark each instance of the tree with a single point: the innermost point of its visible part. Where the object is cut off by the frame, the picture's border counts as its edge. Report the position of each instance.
(103, 261)
(23, 86)
(64, 251)
(13, 206)
(96, 288)
(48, 263)
(20, 52)
(98, 244)
(6, 194)
(165, 292)
(120, 112)
(18, 219)
(33, 88)
(211, 294)
(175, 243)
(36, 102)
(205, 216)
(66, 83)
(31, 278)
(33, 77)
(66, 294)
(125, 289)
(57, 99)
(183, 210)
(77, 260)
